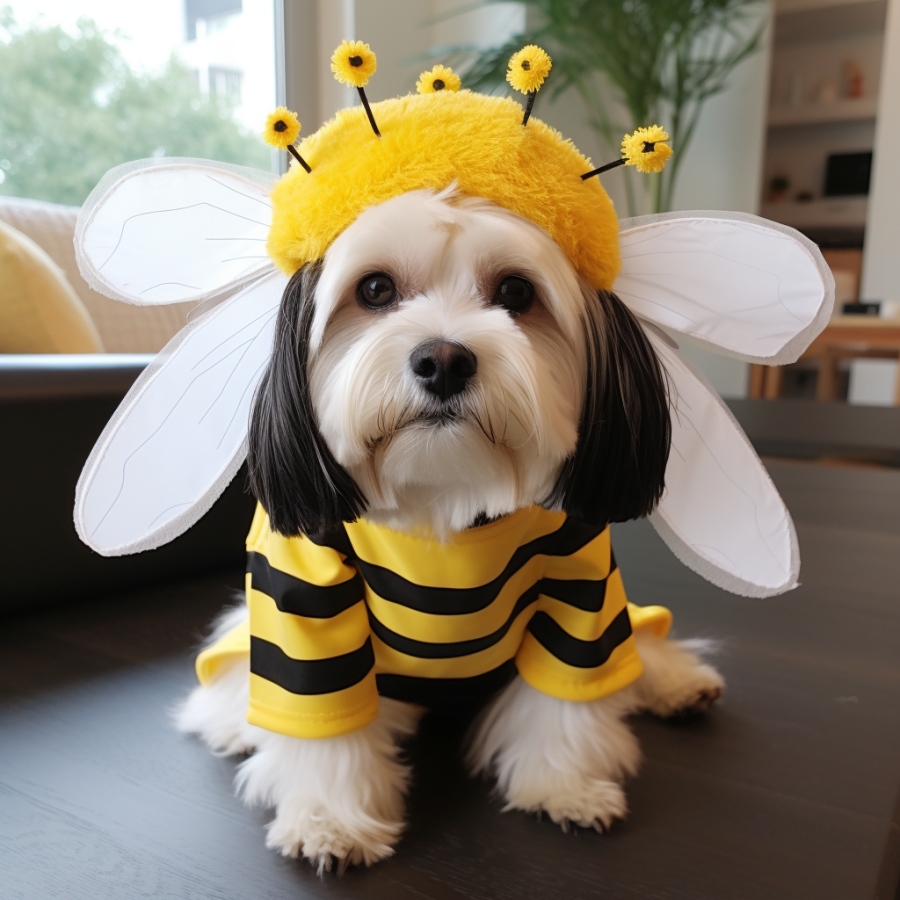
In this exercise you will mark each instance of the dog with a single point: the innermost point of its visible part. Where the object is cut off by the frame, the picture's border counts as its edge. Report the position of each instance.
(441, 369)
(451, 369)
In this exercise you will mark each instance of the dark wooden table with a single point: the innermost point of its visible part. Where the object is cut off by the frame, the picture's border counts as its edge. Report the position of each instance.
(788, 790)
(845, 337)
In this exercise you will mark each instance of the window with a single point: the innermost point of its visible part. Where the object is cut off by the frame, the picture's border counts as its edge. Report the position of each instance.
(87, 86)
(214, 14)
(226, 83)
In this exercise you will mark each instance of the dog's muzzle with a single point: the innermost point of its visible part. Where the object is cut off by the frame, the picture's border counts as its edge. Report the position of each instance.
(443, 368)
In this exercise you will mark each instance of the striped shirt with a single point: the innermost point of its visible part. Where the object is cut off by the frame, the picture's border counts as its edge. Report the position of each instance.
(337, 620)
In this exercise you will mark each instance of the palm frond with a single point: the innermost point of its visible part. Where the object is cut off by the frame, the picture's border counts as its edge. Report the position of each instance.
(663, 59)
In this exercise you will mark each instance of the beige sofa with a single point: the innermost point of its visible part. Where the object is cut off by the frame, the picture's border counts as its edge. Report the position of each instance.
(122, 328)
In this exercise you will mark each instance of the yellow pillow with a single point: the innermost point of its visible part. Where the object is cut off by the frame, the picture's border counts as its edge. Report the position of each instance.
(39, 310)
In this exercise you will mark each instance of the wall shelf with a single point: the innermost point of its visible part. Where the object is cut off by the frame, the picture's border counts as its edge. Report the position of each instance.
(855, 110)
(831, 212)
(801, 21)
(783, 7)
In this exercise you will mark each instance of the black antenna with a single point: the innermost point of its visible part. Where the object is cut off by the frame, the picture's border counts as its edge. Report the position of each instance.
(633, 154)
(282, 129)
(353, 64)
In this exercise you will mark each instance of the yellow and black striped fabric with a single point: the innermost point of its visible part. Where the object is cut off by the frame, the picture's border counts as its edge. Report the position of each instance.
(338, 620)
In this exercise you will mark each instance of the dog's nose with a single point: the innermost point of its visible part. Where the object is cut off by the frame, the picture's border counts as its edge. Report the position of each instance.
(443, 367)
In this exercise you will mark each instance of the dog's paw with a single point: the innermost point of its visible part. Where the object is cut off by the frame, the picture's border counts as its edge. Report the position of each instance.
(591, 803)
(326, 841)
(690, 695)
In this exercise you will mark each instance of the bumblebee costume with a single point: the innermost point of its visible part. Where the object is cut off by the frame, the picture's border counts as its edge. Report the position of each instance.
(338, 620)
(335, 621)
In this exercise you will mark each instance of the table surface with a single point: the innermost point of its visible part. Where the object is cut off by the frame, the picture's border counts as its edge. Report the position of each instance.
(870, 330)
(788, 790)
(862, 322)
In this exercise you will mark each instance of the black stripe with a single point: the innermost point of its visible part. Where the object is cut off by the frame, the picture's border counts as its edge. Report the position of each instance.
(428, 650)
(583, 594)
(573, 652)
(567, 539)
(310, 676)
(293, 595)
(336, 538)
(446, 693)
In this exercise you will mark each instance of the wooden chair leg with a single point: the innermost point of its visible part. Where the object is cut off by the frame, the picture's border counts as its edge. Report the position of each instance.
(826, 389)
(757, 381)
(774, 386)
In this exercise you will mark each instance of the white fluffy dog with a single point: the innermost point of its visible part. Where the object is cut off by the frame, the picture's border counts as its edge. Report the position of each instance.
(458, 371)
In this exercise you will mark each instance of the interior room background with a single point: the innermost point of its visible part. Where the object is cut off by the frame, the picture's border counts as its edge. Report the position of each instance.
(813, 89)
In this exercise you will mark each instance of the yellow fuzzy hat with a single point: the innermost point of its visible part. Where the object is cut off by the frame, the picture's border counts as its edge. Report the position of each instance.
(429, 141)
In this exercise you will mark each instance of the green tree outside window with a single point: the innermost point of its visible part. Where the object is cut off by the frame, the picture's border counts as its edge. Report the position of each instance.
(71, 108)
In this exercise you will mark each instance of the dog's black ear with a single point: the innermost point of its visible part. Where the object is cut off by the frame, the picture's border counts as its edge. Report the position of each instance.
(618, 469)
(293, 474)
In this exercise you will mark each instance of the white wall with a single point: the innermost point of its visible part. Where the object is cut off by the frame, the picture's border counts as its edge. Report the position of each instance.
(872, 381)
(881, 260)
(401, 32)
(312, 29)
(724, 162)
(299, 89)
(723, 170)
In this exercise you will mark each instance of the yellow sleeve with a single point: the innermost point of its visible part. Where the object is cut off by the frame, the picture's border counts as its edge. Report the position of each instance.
(579, 644)
(311, 657)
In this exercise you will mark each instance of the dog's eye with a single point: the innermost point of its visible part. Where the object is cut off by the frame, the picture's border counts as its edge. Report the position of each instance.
(376, 291)
(514, 294)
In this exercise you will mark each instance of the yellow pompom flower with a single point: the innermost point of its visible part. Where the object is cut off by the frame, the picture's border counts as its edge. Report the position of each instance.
(440, 78)
(528, 68)
(282, 128)
(353, 64)
(644, 149)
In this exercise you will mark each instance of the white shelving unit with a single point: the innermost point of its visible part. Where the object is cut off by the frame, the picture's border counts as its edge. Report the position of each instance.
(836, 212)
(862, 109)
(811, 115)
(786, 7)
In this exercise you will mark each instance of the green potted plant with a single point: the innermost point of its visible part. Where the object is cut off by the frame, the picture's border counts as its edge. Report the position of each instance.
(663, 60)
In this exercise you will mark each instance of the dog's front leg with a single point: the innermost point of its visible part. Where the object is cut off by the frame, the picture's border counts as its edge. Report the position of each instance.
(336, 799)
(560, 757)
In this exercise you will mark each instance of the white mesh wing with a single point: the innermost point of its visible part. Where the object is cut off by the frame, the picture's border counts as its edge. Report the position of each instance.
(172, 231)
(180, 434)
(720, 514)
(734, 283)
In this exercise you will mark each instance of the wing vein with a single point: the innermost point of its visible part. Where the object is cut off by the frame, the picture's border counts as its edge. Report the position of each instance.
(228, 187)
(155, 212)
(151, 436)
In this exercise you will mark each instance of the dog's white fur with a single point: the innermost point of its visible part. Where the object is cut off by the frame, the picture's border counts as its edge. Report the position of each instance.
(342, 798)
(445, 254)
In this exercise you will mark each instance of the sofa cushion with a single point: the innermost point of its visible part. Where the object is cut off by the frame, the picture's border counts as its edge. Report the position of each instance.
(122, 328)
(39, 310)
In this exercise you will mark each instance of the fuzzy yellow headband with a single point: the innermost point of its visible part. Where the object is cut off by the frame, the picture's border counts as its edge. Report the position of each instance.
(432, 139)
